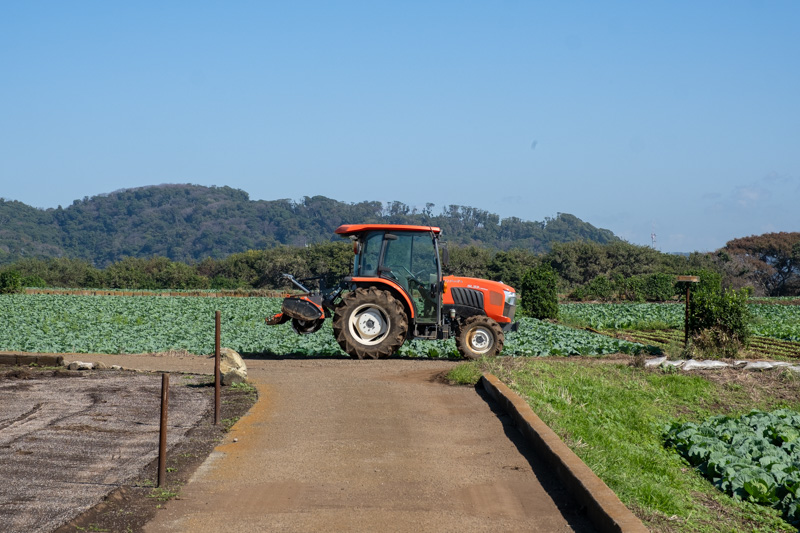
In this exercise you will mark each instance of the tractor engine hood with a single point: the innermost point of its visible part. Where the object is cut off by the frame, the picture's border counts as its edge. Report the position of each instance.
(496, 299)
(477, 283)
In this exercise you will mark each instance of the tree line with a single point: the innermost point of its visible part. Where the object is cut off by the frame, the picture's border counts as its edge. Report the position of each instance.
(769, 264)
(188, 223)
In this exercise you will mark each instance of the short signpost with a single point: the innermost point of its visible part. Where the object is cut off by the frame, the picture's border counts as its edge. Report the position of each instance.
(688, 280)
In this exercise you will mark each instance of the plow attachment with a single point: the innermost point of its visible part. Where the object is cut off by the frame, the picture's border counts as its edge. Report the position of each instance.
(307, 316)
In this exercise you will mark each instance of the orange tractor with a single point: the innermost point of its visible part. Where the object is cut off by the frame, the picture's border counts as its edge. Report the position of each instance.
(397, 292)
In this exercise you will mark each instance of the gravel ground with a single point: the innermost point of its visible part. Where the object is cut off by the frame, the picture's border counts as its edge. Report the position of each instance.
(67, 439)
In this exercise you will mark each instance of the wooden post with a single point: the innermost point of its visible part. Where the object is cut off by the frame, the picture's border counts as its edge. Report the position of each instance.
(686, 320)
(217, 373)
(162, 443)
(688, 280)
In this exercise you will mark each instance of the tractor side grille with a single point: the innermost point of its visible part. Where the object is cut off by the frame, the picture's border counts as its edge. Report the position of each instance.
(468, 297)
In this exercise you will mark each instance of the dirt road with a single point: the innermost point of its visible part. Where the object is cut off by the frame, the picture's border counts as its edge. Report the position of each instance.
(342, 445)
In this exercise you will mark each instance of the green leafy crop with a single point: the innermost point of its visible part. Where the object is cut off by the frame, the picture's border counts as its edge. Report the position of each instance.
(755, 457)
(148, 324)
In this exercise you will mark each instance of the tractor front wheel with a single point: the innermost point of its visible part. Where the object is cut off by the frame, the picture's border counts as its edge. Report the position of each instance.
(370, 324)
(479, 336)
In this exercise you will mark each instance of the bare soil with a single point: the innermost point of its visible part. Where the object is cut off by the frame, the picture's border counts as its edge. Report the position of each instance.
(80, 448)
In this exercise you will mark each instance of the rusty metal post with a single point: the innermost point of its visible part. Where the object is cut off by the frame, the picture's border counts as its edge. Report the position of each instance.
(162, 443)
(217, 374)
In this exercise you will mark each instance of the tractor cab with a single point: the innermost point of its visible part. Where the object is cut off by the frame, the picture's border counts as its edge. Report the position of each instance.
(406, 260)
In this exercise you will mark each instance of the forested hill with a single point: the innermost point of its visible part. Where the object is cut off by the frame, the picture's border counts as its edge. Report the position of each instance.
(190, 222)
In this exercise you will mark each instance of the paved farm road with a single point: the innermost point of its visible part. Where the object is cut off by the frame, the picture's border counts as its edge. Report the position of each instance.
(343, 445)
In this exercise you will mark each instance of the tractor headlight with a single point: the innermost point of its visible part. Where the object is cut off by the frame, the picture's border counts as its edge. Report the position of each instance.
(511, 297)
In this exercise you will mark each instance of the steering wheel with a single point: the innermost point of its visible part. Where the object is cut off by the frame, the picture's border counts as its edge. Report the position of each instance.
(412, 275)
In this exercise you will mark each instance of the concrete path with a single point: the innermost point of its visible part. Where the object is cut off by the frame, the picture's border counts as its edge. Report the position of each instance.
(343, 445)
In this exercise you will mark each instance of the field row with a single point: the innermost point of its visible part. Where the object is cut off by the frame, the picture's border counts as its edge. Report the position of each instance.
(778, 321)
(206, 293)
(143, 324)
(760, 347)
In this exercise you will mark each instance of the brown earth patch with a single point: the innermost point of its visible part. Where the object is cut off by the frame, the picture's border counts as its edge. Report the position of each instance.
(129, 505)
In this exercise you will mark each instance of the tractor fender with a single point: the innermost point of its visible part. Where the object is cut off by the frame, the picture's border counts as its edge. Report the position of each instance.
(387, 284)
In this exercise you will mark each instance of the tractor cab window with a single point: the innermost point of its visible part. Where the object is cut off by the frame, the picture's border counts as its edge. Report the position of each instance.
(410, 260)
(370, 252)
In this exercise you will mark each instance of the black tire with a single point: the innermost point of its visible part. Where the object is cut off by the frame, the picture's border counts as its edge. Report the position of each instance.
(480, 336)
(370, 324)
(306, 327)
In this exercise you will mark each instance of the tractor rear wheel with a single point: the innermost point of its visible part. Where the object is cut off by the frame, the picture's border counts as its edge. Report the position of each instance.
(479, 336)
(370, 324)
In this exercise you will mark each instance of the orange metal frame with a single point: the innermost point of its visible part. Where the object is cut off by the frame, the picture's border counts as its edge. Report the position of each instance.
(351, 229)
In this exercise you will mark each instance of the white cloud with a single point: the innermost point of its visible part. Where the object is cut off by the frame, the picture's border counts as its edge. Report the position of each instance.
(750, 196)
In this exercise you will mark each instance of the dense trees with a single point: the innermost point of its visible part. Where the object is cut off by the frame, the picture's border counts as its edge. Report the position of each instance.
(579, 262)
(254, 269)
(187, 236)
(769, 262)
(189, 223)
(616, 270)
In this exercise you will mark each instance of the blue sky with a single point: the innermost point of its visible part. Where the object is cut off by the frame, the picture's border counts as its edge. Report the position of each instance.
(679, 118)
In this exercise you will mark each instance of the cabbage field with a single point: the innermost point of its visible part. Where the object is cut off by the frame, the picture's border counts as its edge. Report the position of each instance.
(151, 324)
(753, 457)
(777, 321)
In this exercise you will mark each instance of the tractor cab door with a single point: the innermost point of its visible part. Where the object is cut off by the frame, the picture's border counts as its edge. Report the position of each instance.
(411, 260)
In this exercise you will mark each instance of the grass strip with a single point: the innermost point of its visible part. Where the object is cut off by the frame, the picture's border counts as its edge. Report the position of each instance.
(613, 416)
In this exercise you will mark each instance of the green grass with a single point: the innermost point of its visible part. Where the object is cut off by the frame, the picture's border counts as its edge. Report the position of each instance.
(465, 374)
(243, 387)
(613, 416)
(163, 495)
(227, 423)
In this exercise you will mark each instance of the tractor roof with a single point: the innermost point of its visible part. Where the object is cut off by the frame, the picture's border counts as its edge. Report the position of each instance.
(352, 229)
